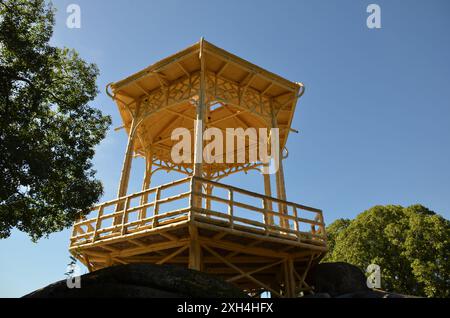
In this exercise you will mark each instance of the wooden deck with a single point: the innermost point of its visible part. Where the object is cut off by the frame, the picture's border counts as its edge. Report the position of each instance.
(257, 242)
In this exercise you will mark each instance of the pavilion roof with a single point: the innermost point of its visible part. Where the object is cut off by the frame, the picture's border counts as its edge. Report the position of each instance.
(238, 94)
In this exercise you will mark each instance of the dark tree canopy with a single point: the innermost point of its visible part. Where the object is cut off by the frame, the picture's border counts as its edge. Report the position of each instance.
(411, 245)
(48, 130)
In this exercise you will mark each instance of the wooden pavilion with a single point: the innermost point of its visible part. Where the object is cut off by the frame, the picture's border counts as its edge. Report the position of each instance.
(260, 242)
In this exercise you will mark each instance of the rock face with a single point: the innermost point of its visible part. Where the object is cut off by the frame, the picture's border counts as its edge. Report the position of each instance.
(343, 280)
(330, 280)
(142, 281)
(337, 279)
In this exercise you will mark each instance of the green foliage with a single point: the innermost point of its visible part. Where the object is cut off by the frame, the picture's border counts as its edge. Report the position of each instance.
(411, 245)
(48, 131)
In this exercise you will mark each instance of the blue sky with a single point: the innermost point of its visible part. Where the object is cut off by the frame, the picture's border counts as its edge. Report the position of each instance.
(374, 122)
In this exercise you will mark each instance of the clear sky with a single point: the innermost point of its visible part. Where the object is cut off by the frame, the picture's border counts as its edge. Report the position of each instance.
(374, 122)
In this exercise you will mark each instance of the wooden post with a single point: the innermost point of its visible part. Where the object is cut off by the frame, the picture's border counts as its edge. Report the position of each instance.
(199, 126)
(88, 263)
(281, 193)
(125, 174)
(291, 278)
(127, 161)
(279, 175)
(194, 249)
(194, 244)
(287, 282)
(146, 182)
(126, 167)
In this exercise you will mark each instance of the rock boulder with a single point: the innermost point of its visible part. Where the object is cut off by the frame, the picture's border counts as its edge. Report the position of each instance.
(142, 281)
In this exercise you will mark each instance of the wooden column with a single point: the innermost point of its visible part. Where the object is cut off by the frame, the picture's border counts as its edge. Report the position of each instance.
(199, 127)
(146, 182)
(194, 249)
(126, 166)
(279, 175)
(281, 193)
(289, 279)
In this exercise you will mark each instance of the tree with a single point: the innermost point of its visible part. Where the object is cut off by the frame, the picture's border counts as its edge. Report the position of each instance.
(411, 245)
(48, 130)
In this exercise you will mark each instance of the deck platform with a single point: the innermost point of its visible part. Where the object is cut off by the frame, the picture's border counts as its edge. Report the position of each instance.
(230, 232)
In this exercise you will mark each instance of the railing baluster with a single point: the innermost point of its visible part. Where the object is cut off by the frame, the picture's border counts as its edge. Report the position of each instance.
(75, 228)
(98, 222)
(266, 217)
(322, 225)
(156, 207)
(296, 225)
(125, 215)
(313, 226)
(192, 199)
(231, 207)
(144, 200)
(208, 200)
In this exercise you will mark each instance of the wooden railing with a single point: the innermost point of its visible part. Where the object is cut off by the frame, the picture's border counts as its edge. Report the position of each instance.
(222, 205)
(290, 219)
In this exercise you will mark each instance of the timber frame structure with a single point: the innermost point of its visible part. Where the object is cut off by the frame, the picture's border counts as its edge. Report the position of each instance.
(257, 242)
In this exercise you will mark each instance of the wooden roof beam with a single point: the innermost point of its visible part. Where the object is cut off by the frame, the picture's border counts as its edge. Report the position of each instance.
(266, 89)
(162, 79)
(224, 66)
(157, 67)
(136, 83)
(250, 69)
(185, 71)
(179, 114)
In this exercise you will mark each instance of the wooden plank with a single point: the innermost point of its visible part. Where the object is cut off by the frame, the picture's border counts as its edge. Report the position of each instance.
(261, 237)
